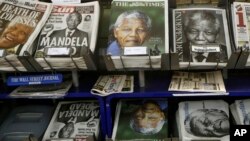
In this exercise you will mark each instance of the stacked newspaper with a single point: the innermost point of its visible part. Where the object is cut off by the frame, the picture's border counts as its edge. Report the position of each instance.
(20, 24)
(110, 84)
(203, 120)
(138, 33)
(74, 120)
(197, 82)
(141, 120)
(200, 37)
(240, 110)
(42, 91)
(69, 37)
(241, 26)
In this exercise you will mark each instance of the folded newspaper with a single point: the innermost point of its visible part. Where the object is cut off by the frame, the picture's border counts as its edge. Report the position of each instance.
(206, 120)
(240, 110)
(198, 82)
(46, 90)
(109, 84)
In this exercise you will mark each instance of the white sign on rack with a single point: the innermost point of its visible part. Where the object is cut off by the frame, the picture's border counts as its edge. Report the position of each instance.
(140, 50)
(58, 51)
(66, 1)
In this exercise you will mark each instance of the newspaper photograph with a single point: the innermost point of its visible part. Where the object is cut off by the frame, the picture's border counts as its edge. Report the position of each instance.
(138, 31)
(243, 111)
(143, 119)
(201, 37)
(69, 33)
(197, 82)
(203, 120)
(74, 119)
(20, 24)
(110, 84)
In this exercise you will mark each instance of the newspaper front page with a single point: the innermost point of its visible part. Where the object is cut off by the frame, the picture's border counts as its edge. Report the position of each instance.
(70, 32)
(74, 119)
(20, 24)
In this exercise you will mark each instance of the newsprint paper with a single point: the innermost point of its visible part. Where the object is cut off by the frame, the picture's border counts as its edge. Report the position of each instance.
(241, 111)
(241, 26)
(20, 24)
(136, 43)
(74, 119)
(201, 38)
(197, 82)
(109, 84)
(70, 32)
(141, 120)
(206, 120)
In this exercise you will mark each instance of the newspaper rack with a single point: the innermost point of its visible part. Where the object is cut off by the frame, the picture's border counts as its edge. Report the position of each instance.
(109, 64)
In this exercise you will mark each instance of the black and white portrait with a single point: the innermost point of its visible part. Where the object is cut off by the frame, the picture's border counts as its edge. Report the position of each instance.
(207, 123)
(202, 28)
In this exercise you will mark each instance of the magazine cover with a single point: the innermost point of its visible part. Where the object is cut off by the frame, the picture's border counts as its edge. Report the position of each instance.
(203, 120)
(20, 23)
(70, 30)
(201, 37)
(74, 119)
(141, 120)
(243, 111)
(138, 29)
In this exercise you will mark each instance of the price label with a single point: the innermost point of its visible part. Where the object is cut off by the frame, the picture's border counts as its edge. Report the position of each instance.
(66, 1)
(58, 51)
(2, 52)
(135, 50)
(205, 48)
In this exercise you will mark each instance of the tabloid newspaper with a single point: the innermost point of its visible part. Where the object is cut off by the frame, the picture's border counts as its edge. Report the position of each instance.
(20, 23)
(70, 30)
(241, 111)
(241, 26)
(74, 119)
(135, 52)
(197, 82)
(130, 115)
(201, 37)
(110, 84)
(206, 120)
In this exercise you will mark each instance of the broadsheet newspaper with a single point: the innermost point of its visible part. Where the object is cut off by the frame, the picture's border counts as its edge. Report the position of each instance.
(74, 119)
(197, 82)
(69, 33)
(241, 111)
(20, 23)
(241, 23)
(135, 52)
(130, 120)
(206, 120)
(45, 91)
(110, 84)
(205, 47)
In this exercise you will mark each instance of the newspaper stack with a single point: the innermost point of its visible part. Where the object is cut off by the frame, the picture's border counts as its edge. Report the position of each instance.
(241, 26)
(240, 110)
(110, 84)
(20, 24)
(42, 91)
(74, 120)
(200, 37)
(203, 120)
(149, 21)
(141, 120)
(69, 37)
(198, 82)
